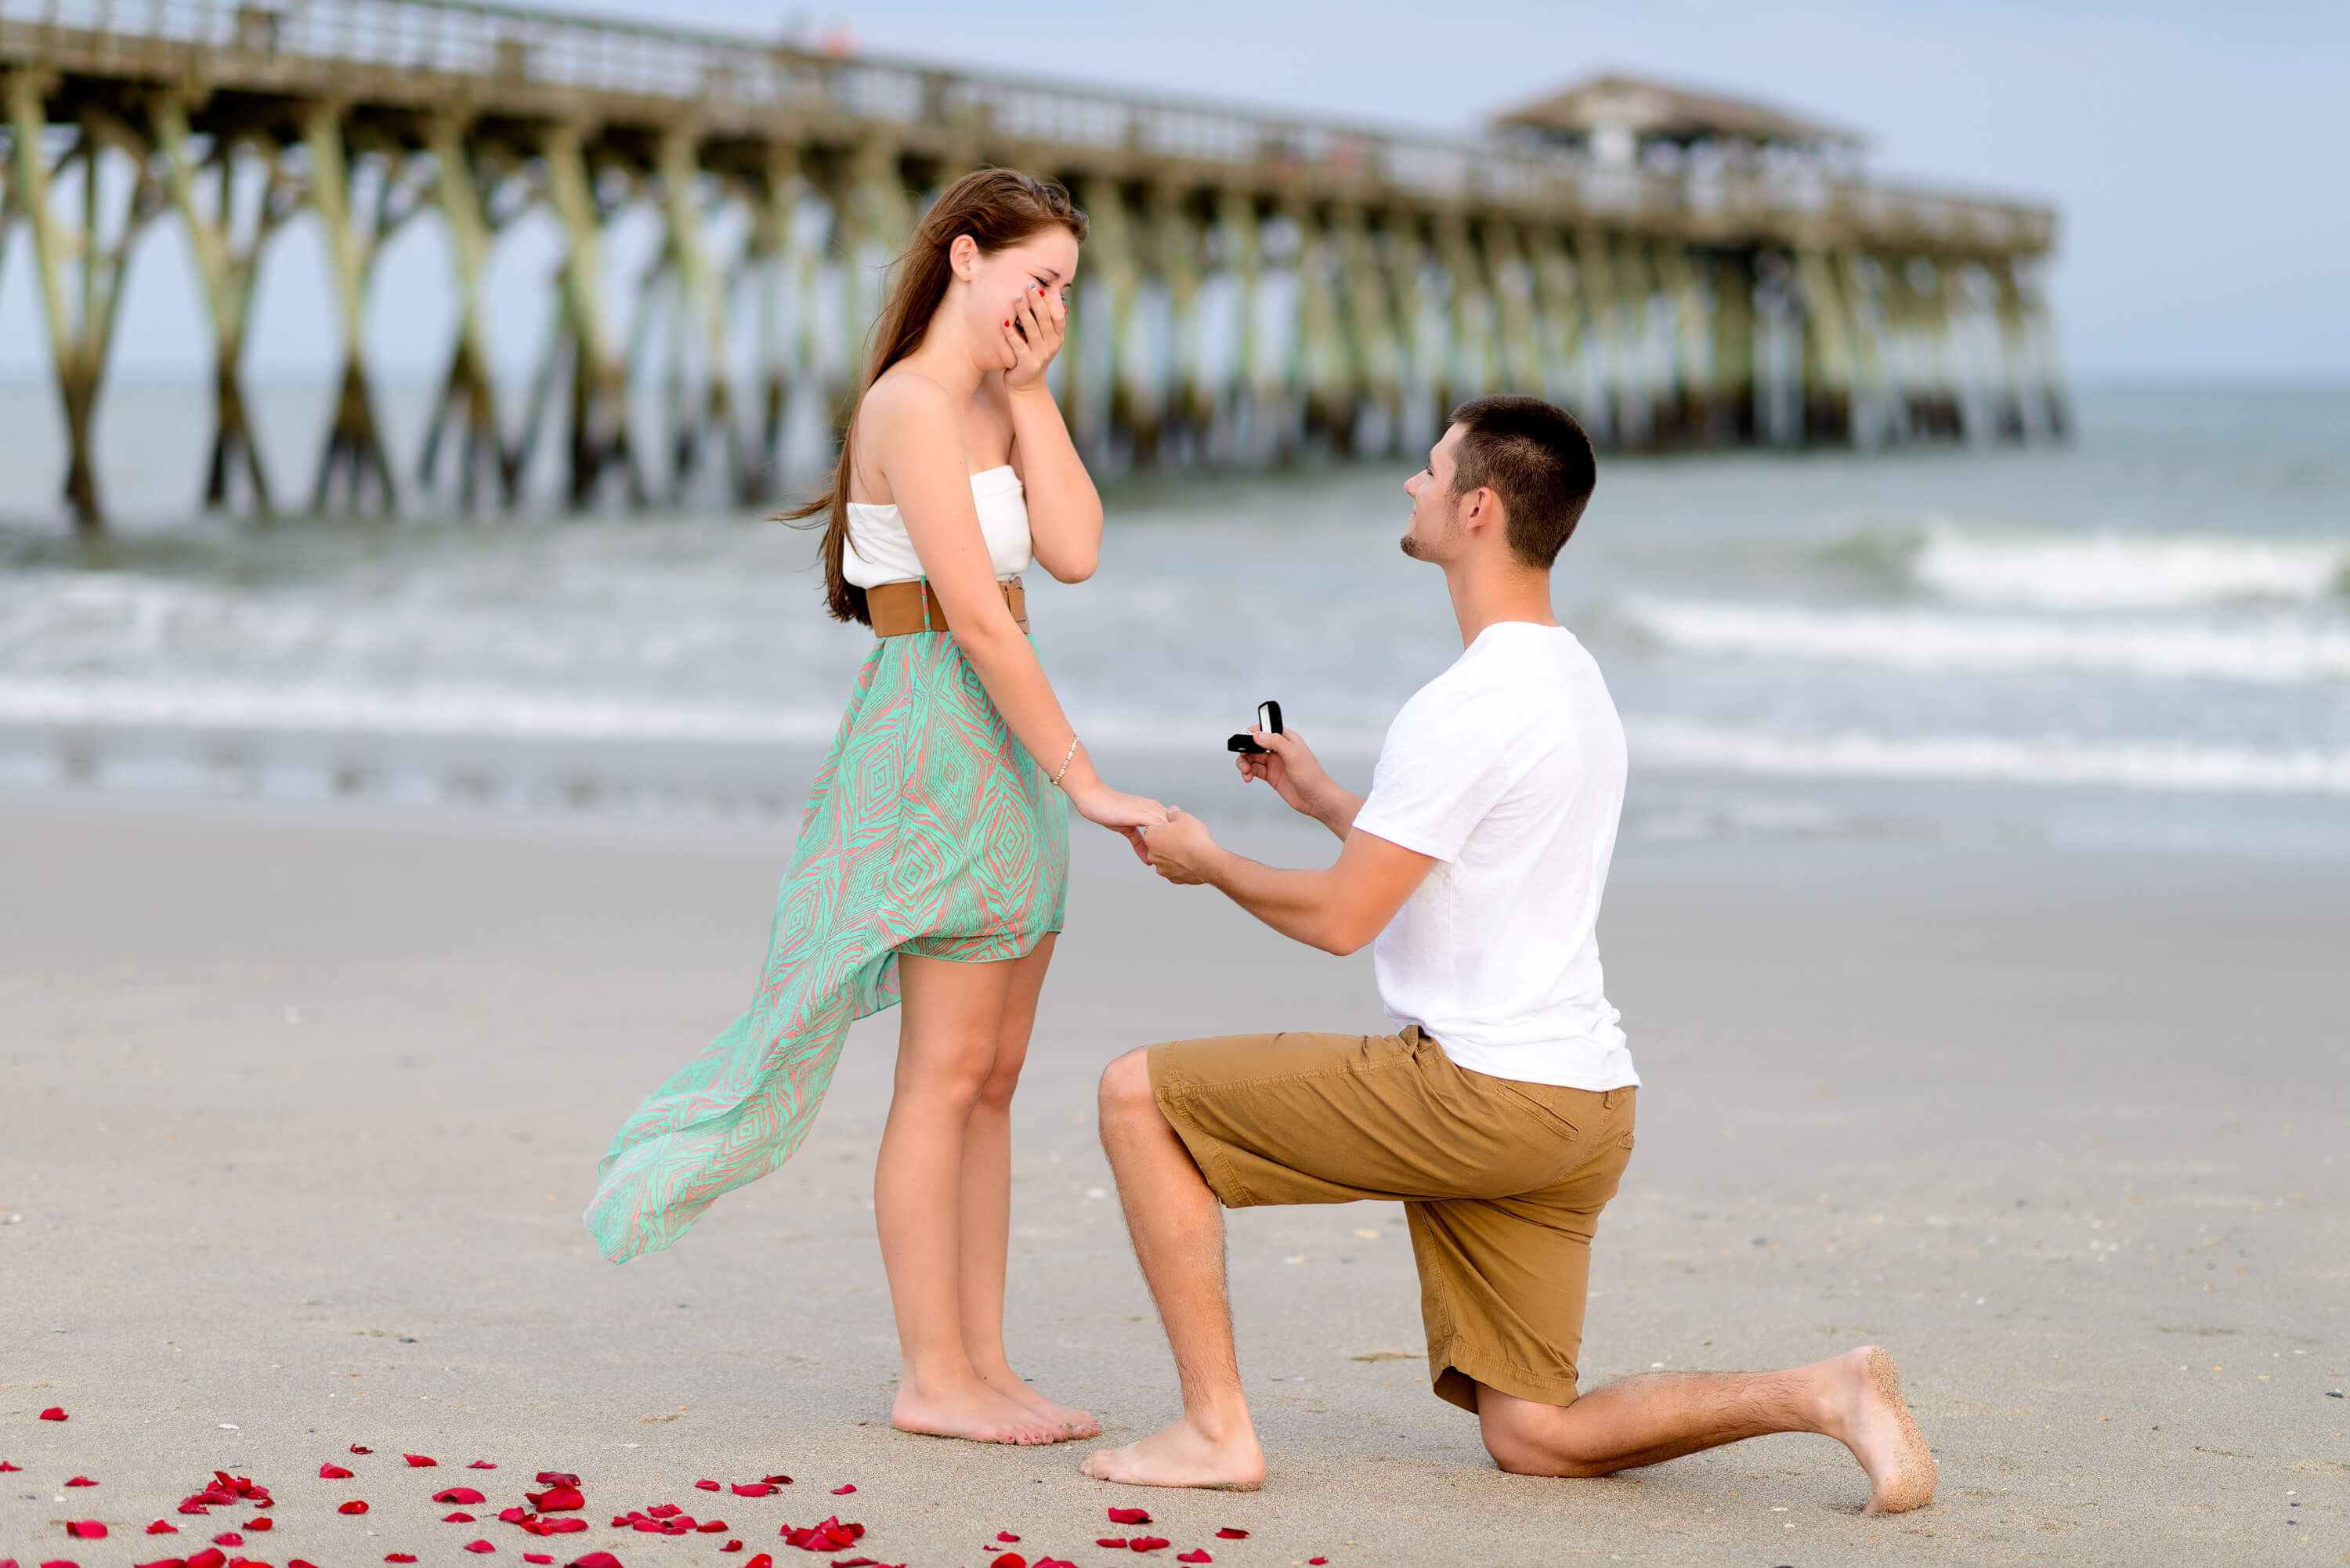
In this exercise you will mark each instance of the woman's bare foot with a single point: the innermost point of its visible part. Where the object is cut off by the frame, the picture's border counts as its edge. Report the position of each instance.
(1871, 1419)
(1068, 1426)
(1183, 1455)
(972, 1411)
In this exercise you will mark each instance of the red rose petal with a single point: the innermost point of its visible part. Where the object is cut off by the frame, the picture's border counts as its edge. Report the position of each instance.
(399, 1557)
(208, 1558)
(513, 1515)
(1318, 1561)
(297, 1563)
(732, 1546)
(161, 1527)
(844, 1491)
(5, 1468)
(1128, 1516)
(561, 1526)
(193, 1506)
(481, 1465)
(1005, 1535)
(595, 1560)
(420, 1461)
(761, 1561)
(53, 1413)
(1229, 1533)
(460, 1517)
(536, 1557)
(159, 1562)
(479, 1546)
(81, 1480)
(1010, 1560)
(745, 1488)
(711, 1527)
(559, 1499)
(1195, 1556)
(228, 1538)
(1116, 1541)
(1148, 1543)
(357, 1450)
(556, 1478)
(354, 1506)
(459, 1494)
(86, 1530)
(776, 1481)
(333, 1472)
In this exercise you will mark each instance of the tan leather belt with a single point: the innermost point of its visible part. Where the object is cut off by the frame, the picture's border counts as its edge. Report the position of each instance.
(900, 608)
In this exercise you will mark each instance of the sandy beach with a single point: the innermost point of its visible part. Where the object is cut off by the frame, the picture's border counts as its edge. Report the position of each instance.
(302, 1104)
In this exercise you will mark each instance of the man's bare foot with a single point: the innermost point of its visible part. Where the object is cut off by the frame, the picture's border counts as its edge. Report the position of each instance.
(974, 1411)
(1183, 1455)
(1871, 1419)
(1068, 1426)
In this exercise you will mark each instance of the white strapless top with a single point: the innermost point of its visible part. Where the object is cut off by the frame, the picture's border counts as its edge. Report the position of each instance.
(878, 550)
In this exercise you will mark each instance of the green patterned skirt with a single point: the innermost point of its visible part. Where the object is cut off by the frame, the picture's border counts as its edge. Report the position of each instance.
(932, 831)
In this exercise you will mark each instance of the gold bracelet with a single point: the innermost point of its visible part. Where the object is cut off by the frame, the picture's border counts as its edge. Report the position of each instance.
(1066, 760)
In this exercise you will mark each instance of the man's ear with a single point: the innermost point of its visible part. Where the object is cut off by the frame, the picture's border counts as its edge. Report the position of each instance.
(1481, 508)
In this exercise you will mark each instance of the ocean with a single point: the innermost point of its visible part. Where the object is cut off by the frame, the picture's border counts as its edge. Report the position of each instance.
(2140, 638)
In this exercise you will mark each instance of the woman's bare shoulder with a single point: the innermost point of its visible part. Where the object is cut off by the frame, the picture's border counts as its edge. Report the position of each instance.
(899, 394)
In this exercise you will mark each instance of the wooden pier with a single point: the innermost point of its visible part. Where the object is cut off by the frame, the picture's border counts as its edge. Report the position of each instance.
(1681, 271)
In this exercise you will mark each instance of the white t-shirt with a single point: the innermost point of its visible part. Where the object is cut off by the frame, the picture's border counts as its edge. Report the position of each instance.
(1508, 769)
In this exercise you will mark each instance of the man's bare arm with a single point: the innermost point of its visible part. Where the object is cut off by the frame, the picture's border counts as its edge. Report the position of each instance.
(1338, 910)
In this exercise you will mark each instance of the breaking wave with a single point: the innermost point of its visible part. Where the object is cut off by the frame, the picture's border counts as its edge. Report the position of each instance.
(2280, 648)
(2150, 765)
(2111, 570)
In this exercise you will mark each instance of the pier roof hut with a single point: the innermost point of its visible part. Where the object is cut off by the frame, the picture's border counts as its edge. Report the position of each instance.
(1617, 120)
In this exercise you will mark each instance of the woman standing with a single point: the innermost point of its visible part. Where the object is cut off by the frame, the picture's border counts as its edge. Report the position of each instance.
(932, 867)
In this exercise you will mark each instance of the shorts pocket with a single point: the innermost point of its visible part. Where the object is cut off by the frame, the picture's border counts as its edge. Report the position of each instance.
(1546, 1115)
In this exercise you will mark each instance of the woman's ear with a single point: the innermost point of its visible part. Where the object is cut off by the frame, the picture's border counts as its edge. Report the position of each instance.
(962, 256)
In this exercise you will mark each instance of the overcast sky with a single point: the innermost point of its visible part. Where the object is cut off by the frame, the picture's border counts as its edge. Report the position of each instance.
(2196, 151)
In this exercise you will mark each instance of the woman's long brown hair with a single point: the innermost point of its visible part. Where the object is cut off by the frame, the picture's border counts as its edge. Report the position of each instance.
(997, 208)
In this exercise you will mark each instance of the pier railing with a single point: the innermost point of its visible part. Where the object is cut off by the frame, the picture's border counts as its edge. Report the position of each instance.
(498, 55)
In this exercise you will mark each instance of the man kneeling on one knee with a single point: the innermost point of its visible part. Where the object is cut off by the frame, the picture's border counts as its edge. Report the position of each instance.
(1501, 1115)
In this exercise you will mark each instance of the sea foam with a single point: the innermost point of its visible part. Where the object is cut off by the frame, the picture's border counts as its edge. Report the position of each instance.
(2281, 648)
(2052, 759)
(2110, 570)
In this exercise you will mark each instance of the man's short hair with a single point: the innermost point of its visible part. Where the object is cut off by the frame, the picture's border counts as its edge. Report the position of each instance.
(1536, 459)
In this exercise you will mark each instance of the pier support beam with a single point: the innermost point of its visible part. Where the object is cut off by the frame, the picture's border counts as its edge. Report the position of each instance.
(707, 413)
(1470, 370)
(81, 301)
(1827, 346)
(1324, 369)
(600, 378)
(1105, 394)
(1176, 241)
(1602, 354)
(467, 400)
(227, 254)
(1730, 404)
(1559, 336)
(1242, 241)
(354, 442)
(1374, 337)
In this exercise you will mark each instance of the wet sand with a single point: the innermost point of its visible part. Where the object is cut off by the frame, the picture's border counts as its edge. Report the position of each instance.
(301, 1106)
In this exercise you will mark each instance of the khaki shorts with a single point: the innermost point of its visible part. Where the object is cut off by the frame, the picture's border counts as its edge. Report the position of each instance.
(1502, 1181)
